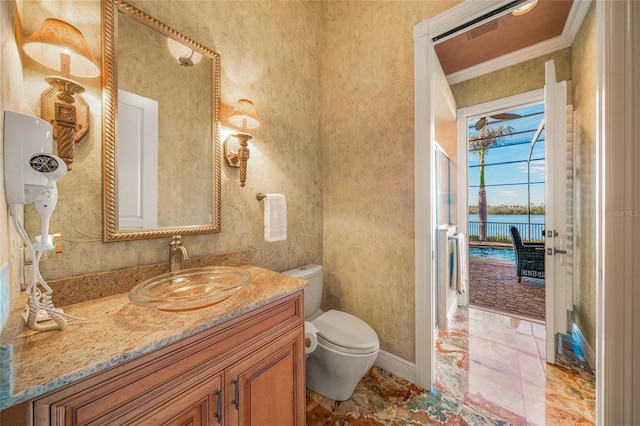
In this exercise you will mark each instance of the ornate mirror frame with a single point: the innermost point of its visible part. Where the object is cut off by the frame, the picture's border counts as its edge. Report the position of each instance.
(111, 233)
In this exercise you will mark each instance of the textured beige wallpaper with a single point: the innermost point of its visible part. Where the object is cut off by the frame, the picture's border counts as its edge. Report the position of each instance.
(513, 80)
(583, 69)
(269, 53)
(367, 134)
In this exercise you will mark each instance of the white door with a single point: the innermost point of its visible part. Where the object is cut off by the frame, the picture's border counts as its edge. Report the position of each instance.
(556, 232)
(137, 161)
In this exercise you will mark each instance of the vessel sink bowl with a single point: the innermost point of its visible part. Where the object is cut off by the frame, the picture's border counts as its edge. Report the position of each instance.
(190, 289)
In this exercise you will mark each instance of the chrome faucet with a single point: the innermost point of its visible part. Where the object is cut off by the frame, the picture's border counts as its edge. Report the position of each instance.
(177, 253)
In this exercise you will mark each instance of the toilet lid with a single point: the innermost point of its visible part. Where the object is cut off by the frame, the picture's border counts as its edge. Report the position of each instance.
(345, 330)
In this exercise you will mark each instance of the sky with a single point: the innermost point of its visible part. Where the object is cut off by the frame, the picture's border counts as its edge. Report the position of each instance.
(511, 179)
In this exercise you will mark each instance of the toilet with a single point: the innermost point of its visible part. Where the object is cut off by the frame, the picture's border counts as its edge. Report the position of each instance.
(347, 346)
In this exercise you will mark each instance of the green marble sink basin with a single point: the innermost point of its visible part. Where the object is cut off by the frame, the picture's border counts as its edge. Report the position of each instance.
(190, 289)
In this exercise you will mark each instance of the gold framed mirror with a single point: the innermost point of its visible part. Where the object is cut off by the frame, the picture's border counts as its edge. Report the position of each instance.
(161, 129)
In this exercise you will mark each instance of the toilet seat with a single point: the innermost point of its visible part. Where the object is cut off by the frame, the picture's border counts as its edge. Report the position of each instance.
(345, 333)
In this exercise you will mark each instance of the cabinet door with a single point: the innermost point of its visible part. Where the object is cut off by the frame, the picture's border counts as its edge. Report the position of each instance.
(267, 388)
(198, 405)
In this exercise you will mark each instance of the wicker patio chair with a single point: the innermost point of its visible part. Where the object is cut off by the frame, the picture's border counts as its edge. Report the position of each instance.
(529, 257)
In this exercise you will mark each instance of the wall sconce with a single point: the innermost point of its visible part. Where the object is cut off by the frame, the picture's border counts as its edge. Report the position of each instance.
(62, 47)
(244, 116)
(185, 56)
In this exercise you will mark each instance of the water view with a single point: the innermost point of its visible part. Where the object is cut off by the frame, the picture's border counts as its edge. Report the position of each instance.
(510, 218)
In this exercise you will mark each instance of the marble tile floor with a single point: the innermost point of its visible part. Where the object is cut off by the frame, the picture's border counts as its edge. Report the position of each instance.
(490, 370)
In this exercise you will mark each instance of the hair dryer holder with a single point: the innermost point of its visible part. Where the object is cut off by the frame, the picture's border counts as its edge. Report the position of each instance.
(31, 172)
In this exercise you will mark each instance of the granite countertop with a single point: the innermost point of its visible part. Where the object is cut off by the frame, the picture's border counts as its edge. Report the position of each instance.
(34, 363)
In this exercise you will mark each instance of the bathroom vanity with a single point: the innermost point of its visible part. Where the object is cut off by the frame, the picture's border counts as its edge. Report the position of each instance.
(240, 362)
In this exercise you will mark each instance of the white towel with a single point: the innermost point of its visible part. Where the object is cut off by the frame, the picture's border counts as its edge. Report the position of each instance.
(454, 264)
(463, 275)
(275, 218)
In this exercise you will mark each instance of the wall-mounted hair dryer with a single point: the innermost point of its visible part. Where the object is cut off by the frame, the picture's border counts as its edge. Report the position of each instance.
(30, 175)
(30, 169)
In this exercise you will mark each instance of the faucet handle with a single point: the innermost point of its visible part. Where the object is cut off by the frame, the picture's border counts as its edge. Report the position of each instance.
(176, 244)
(176, 241)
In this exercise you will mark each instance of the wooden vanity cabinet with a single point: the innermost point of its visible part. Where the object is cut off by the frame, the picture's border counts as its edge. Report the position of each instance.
(261, 391)
(246, 371)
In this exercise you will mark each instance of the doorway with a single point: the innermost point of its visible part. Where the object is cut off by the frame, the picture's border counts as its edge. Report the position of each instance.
(426, 64)
(614, 246)
(505, 158)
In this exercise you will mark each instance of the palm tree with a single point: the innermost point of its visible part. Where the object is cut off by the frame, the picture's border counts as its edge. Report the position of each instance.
(480, 144)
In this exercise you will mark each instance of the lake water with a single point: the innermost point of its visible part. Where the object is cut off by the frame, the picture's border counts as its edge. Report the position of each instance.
(510, 218)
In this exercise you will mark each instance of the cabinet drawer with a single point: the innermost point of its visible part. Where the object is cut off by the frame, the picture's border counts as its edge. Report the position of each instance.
(195, 404)
(167, 371)
(193, 399)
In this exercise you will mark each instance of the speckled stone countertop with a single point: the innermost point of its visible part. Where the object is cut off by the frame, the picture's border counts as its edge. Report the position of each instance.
(35, 363)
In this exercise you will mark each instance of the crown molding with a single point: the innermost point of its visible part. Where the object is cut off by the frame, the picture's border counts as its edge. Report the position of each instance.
(578, 11)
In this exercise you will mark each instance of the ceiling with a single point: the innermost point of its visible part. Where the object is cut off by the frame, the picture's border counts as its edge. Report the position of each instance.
(503, 35)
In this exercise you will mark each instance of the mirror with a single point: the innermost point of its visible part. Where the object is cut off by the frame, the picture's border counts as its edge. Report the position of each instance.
(161, 129)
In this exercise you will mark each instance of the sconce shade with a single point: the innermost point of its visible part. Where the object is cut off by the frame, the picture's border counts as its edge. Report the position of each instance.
(244, 115)
(55, 37)
(184, 55)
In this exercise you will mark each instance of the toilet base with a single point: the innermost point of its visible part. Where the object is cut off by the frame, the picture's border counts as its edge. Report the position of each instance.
(336, 375)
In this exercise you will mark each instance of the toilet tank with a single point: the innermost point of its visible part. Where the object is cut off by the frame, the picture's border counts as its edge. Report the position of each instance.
(313, 292)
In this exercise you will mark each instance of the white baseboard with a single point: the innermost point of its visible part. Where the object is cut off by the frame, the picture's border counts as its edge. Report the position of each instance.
(396, 365)
(589, 353)
(451, 313)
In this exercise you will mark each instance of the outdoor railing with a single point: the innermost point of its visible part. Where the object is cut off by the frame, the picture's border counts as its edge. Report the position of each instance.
(499, 231)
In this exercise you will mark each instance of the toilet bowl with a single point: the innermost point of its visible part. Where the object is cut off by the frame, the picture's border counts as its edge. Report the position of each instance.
(347, 346)
(347, 349)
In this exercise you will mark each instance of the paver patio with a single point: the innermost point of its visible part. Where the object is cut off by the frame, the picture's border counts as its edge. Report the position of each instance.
(493, 285)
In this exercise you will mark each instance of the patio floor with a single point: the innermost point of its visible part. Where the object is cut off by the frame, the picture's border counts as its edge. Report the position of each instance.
(493, 286)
